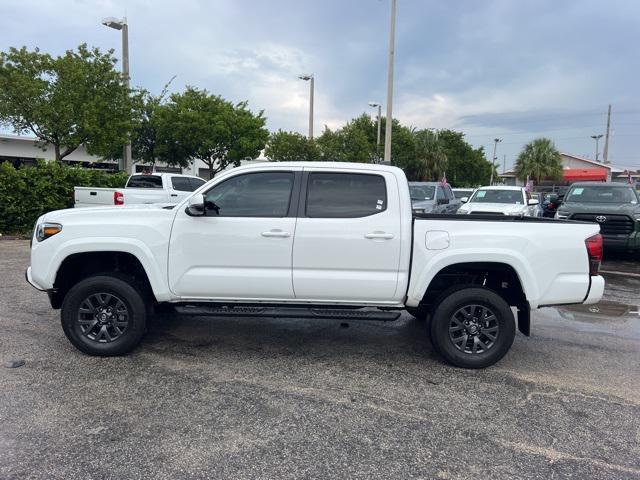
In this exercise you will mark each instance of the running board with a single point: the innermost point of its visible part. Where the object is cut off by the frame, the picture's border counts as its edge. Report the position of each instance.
(289, 312)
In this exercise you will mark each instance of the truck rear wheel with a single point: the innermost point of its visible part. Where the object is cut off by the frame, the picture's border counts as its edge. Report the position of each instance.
(104, 316)
(472, 328)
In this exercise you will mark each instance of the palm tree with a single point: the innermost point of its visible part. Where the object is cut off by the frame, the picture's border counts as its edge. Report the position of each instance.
(431, 154)
(539, 159)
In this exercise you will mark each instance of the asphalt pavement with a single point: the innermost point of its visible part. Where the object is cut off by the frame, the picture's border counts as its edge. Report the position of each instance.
(269, 398)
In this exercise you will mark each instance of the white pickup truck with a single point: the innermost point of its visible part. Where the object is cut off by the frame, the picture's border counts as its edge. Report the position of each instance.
(321, 240)
(166, 188)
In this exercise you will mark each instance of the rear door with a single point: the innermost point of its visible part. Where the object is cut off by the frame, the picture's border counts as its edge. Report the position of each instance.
(348, 237)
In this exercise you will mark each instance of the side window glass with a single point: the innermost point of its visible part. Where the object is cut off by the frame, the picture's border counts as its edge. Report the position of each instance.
(449, 192)
(440, 194)
(181, 184)
(196, 183)
(264, 194)
(345, 195)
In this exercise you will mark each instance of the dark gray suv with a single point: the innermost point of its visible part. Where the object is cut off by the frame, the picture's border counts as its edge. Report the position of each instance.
(433, 197)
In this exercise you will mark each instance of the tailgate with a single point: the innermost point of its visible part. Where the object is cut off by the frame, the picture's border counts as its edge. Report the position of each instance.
(93, 197)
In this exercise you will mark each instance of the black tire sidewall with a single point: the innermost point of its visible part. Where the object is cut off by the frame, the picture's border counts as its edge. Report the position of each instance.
(104, 284)
(449, 305)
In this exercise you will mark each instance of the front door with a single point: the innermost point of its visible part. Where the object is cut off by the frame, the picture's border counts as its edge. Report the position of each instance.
(241, 249)
(347, 245)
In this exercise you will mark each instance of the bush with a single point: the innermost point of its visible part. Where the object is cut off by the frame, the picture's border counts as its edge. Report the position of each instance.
(28, 192)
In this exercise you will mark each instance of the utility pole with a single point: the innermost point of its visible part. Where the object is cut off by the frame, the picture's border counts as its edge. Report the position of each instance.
(605, 153)
(389, 121)
(374, 105)
(493, 162)
(309, 77)
(597, 139)
(116, 24)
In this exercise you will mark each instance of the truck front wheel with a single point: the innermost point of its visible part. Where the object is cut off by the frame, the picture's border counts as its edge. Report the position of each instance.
(104, 316)
(472, 328)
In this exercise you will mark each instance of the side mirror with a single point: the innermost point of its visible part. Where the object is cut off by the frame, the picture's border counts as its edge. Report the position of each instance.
(464, 199)
(195, 205)
(533, 201)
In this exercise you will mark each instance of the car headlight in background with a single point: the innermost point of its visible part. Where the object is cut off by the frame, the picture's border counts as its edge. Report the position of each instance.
(561, 215)
(463, 212)
(418, 210)
(46, 230)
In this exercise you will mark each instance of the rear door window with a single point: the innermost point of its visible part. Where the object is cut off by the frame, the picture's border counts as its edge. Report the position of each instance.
(144, 181)
(345, 195)
(196, 183)
(181, 184)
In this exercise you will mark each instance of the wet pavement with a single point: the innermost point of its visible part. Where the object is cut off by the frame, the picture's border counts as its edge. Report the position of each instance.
(256, 398)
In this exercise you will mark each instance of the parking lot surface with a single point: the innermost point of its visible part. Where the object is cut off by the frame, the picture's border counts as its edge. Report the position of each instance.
(270, 398)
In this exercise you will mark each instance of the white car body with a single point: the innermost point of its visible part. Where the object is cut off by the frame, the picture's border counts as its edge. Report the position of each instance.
(525, 207)
(388, 259)
(168, 191)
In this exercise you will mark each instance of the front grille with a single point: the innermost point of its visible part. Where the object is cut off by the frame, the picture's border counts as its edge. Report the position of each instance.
(613, 225)
(487, 213)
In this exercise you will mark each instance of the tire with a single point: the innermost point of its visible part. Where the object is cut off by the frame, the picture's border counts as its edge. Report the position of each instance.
(487, 336)
(104, 316)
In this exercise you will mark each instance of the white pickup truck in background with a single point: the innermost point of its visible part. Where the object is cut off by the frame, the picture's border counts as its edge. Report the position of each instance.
(167, 188)
(311, 240)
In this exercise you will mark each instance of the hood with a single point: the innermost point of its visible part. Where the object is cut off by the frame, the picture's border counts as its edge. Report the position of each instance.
(426, 204)
(505, 208)
(110, 213)
(612, 208)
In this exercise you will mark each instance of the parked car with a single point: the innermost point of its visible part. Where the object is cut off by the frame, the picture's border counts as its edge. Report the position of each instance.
(433, 197)
(539, 211)
(614, 206)
(167, 188)
(551, 203)
(310, 240)
(460, 193)
(500, 201)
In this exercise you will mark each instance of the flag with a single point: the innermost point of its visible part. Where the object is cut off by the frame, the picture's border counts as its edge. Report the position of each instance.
(528, 186)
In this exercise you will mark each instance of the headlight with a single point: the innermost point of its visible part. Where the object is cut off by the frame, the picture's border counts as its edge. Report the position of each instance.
(561, 215)
(46, 230)
(418, 210)
(463, 212)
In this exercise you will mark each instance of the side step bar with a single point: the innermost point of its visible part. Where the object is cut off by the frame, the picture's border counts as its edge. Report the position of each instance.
(288, 312)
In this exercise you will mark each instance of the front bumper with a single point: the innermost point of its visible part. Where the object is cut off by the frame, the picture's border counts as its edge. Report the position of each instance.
(30, 281)
(626, 242)
(596, 290)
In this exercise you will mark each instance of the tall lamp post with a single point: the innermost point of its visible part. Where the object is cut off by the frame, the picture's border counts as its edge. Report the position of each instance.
(116, 24)
(374, 105)
(493, 161)
(309, 77)
(389, 121)
(597, 139)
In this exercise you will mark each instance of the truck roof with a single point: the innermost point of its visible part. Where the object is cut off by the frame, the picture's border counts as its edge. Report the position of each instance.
(356, 166)
(500, 187)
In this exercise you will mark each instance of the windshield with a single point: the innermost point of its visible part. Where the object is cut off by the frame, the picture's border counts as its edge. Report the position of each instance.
(462, 193)
(597, 194)
(422, 192)
(498, 196)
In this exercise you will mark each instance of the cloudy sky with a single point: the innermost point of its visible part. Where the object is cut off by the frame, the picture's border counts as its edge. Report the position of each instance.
(490, 68)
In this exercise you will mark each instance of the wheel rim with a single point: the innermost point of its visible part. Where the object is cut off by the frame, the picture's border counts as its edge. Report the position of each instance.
(474, 329)
(103, 317)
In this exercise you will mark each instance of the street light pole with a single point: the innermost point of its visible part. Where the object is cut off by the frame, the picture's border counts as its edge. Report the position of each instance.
(116, 24)
(389, 120)
(597, 139)
(374, 105)
(309, 77)
(493, 162)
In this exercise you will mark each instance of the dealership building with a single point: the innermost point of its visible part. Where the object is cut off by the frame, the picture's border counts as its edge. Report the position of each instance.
(23, 150)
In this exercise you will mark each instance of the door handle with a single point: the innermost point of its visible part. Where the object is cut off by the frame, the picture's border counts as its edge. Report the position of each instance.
(174, 194)
(379, 235)
(276, 233)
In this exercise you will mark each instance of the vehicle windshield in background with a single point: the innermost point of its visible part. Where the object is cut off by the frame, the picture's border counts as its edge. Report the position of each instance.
(145, 181)
(422, 192)
(602, 195)
(497, 196)
(462, 193)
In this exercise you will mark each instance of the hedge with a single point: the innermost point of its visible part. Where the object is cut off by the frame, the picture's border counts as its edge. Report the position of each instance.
(28, 192)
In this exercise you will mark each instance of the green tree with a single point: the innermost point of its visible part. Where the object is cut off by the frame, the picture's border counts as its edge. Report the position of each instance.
(74, 99)
(431, 154)
(539, 159)
(198, 125)
(466, 166)
(291, 146)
